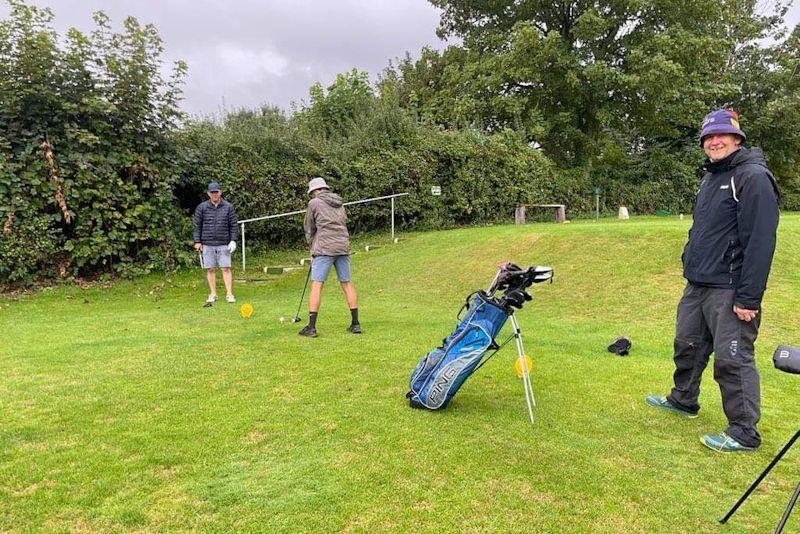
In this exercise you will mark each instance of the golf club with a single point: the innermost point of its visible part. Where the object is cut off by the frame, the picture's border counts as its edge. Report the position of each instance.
(296, 318)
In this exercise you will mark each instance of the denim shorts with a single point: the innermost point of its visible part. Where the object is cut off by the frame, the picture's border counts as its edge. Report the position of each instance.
(320, 266)
(216, 256)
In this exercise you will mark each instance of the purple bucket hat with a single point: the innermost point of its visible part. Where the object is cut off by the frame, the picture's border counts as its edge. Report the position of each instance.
(721, 121)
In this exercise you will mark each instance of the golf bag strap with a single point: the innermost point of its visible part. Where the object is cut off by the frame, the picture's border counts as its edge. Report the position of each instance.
(466, 304)
(496, 348)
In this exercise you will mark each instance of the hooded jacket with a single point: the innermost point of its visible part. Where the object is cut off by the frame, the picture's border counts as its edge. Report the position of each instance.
(325, 225)
(732, 238)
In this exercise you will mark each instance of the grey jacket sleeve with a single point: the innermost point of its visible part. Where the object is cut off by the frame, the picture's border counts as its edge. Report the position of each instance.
(198, 223)
(758, 222)
(309, 224)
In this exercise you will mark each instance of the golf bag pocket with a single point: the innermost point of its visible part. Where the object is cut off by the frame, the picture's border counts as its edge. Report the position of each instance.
(787, 359)
(442, 371)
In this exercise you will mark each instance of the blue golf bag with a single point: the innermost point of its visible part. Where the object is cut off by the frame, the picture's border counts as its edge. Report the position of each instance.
(441, 372)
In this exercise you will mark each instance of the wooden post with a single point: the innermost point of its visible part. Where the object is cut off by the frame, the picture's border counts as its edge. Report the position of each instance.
(519, 215)
(561, 215)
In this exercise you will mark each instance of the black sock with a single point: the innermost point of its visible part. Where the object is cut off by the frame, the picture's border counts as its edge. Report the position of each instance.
(354, 315)
(312, 319)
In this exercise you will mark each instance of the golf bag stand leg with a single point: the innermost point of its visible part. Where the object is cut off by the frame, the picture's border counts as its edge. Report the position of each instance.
(526, 377)
(758, 480)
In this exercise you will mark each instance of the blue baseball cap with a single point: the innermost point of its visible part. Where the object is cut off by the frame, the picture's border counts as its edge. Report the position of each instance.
(721, 121)
(214, 186)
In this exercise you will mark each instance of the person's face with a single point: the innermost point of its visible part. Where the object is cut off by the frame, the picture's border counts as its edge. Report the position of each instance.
(215, 196)
(720, 146)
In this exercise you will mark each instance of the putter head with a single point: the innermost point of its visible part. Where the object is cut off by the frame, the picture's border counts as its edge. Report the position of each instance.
(296, 319)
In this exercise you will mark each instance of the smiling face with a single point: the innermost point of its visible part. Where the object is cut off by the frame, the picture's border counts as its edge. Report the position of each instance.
(720, 146)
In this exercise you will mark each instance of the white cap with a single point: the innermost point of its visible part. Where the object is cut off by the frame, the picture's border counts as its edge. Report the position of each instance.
(317, 183)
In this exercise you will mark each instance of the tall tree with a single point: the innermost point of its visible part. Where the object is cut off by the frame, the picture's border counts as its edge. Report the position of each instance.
(582, 76)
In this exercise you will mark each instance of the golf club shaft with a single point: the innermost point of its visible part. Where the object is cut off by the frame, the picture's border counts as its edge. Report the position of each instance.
(303, 295)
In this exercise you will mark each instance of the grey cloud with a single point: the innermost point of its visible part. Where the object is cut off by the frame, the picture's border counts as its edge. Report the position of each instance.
(250, 52)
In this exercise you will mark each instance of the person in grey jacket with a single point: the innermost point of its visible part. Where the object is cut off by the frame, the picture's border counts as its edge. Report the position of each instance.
(215, 233)
(325, 227)
(726, 262)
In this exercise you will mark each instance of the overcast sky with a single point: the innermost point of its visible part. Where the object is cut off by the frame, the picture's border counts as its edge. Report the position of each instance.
(244, 53)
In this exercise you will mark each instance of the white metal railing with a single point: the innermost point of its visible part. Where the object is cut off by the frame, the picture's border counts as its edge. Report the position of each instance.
(290, 213)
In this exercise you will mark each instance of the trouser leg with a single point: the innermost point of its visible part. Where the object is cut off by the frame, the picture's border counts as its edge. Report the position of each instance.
(735, 367)
(692, 348)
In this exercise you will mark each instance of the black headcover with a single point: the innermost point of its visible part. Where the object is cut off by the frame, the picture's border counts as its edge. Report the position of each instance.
(620, 346)
(787, 359)
(513, 281)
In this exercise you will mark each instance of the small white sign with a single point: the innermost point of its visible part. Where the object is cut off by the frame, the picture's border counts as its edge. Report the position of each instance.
(436, 190)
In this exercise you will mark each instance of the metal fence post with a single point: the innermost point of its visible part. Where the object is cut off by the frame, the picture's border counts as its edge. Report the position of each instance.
(244, 262)
(392, 219)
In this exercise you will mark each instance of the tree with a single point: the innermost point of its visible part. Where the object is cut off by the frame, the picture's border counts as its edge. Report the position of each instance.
(581, 77)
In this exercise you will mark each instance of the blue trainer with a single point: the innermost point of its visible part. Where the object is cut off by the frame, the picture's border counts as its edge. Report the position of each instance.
(724, 443)
(662, 402)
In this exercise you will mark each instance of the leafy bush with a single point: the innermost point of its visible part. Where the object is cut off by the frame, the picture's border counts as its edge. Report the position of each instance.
(86, 154)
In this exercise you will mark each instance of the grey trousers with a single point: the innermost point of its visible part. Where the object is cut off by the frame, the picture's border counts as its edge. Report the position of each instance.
(705, 324)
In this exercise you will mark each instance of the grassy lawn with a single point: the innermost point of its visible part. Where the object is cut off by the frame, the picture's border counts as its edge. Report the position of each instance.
(134, 408)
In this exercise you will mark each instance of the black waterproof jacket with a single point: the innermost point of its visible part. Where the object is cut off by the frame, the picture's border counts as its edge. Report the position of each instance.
(732, 238)
(215, 225)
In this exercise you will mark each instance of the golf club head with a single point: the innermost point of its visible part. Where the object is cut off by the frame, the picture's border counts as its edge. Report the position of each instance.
(296, 319)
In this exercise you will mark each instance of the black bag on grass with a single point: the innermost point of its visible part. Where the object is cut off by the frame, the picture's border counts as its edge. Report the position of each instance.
(787, 359)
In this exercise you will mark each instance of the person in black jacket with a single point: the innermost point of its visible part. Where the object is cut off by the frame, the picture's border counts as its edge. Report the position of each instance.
(215, 234)
(726, 262)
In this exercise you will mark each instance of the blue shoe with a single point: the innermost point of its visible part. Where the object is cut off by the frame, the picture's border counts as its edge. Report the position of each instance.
(662, 402)
(724, 443)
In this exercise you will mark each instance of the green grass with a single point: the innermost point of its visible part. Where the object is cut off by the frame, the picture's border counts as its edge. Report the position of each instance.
(134, 408)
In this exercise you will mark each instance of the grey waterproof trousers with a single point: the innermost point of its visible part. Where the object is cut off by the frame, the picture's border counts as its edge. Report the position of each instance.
(705, 324)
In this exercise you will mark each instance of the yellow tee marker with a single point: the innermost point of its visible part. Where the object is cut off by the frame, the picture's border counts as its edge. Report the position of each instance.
(518, 366)
(246, 310)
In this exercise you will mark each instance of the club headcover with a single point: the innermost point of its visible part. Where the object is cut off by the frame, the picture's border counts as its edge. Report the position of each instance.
(620, 346)
(787, 359)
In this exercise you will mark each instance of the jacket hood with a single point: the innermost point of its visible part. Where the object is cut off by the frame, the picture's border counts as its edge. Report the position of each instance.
(331, 199)
(754, 156)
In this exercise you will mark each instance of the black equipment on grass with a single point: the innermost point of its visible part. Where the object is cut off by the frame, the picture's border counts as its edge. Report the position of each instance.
(786, 359)
(620, 346)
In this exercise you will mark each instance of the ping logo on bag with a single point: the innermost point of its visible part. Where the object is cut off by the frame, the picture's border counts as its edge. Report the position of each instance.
(440, 387)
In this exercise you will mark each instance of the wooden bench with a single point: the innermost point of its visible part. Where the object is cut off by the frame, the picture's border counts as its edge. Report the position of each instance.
(519, 212)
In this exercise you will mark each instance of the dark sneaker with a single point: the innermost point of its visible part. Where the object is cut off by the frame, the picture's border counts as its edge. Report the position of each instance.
(354, 328)
(308, 331)
(724, 443)
(663, 403)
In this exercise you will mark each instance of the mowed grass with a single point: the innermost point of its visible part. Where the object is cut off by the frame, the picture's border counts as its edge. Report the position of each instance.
(134, 408)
